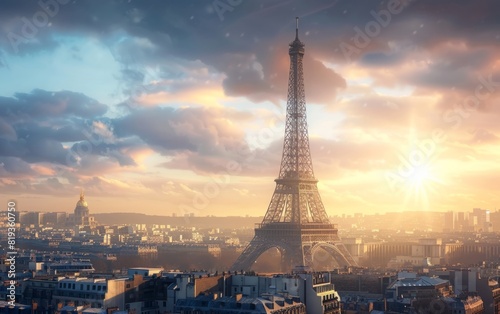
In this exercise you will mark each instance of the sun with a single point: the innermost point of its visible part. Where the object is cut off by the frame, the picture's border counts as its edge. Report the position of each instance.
(421, 182)
(419, 176)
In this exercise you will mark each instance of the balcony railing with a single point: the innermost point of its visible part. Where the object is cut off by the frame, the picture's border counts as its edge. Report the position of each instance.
(294, 226)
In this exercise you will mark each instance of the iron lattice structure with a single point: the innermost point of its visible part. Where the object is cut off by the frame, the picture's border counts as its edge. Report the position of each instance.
(296, 221)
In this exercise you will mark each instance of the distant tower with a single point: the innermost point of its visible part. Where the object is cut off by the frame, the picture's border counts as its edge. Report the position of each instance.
(296, 221)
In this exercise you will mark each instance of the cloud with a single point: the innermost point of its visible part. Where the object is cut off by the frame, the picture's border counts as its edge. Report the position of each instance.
(482, 136)
(11, 167)
(200, 139)
(7, 132)
(40, 104)
(39, 123)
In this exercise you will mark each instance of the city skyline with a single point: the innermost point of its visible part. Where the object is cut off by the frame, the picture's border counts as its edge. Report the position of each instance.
(163, 107)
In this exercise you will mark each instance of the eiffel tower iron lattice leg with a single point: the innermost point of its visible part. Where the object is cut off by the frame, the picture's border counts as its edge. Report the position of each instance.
(296, 221)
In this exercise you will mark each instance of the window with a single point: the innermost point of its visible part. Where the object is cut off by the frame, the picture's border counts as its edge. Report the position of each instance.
(93, 287)
(98, 288)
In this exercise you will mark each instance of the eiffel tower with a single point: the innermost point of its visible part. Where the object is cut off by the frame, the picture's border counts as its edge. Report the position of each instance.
(296, 222)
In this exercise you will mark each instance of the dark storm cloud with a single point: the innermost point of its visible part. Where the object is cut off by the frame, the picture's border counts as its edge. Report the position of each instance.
(255, 33)
(7, 132)
(14, 167)
(450, 68)
(39, 148)
(35, 126)
(189, 31)
(34, 148)
(476, 22)
(254, 36)
(43, 104)
(422, 24)
(194, 28)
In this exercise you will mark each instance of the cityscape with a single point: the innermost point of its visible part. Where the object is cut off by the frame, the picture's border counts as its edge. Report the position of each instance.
(140, 142)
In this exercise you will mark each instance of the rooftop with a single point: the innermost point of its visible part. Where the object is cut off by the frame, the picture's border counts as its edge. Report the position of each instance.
(423, 281)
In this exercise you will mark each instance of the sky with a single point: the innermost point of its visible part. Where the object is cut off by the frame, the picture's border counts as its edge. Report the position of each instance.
(177, 107)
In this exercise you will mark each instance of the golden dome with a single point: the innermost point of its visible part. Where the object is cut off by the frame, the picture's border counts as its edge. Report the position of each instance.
(81, 202)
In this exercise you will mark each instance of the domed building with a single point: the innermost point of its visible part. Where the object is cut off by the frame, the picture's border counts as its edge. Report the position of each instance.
(81, 216)
(82, 208)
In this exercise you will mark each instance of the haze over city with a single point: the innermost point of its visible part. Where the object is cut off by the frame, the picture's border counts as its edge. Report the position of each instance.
(163, 107)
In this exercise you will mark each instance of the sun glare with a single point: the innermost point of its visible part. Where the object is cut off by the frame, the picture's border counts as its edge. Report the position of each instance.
(421, 183)
(419, 176)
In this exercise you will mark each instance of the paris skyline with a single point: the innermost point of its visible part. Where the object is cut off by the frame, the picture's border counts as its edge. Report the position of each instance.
(162, 107)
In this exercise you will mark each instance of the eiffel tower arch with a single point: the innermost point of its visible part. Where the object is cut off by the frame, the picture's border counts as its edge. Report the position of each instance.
(334, 251)
(296, 221)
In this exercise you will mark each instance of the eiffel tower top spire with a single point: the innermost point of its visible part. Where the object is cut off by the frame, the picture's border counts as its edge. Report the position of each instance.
(297, 46)
(297, 28)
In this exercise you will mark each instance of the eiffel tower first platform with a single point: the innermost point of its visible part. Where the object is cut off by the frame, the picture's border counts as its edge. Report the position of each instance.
(296, 221)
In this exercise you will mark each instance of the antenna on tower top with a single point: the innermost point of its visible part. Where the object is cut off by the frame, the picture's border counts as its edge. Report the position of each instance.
(297, 27)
